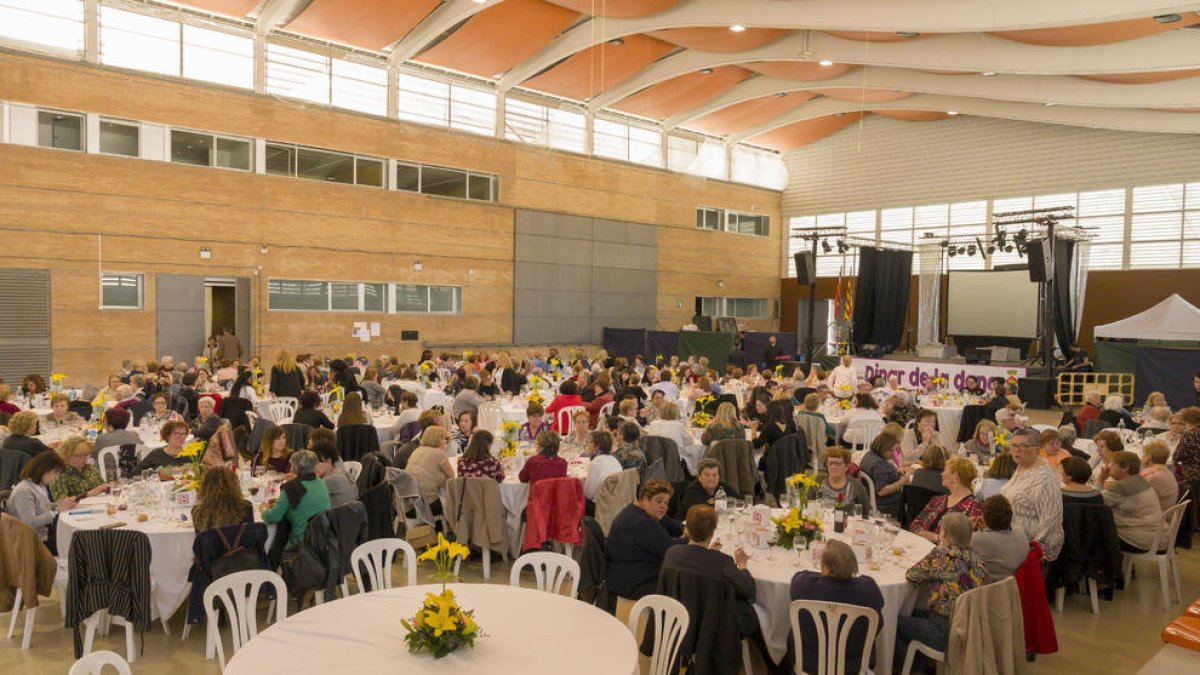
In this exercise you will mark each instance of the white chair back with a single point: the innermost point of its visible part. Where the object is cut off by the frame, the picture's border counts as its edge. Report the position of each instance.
(93, 664)
(238, 593)
(833, 622)
(283, 409)
(550, 570)
(372, 561)
(870, 488)
(607, 409)
(865, 432)
(352, 469)
(566, 418)
(490, 416)
(670, 619)
(113, 451)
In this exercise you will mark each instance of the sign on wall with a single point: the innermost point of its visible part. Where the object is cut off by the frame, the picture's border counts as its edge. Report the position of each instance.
(916, 374)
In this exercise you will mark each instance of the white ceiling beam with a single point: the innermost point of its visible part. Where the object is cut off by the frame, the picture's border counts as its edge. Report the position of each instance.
(448, 15)
(274, 13)
(921, 16)
(1175, 50)
(1118, 119)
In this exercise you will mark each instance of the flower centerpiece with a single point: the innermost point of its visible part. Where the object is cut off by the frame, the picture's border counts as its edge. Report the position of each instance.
(509, 430)
(336, 396)
(779, 372)
(56, 382)
(798, 485)
(795, 525)
(195, 452)
(844, 403)
(700, 419)
(535, 397)
(1001, 440)
(843, 391)
(441, 625)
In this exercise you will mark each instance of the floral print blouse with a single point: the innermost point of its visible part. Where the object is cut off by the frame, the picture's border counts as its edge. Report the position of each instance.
(949, 572)
(937, 507)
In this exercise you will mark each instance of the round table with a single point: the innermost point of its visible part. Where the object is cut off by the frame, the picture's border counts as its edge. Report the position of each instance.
(526, 632)
(773, 569)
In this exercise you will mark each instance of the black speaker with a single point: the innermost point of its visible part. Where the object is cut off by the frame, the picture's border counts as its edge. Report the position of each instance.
(703, 323)
(1037, 392)
(980, 356)
(806, 271)
(1039, 260)
(699, 305)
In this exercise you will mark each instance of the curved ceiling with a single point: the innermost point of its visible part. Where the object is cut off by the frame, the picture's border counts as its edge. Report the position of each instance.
(780, 73)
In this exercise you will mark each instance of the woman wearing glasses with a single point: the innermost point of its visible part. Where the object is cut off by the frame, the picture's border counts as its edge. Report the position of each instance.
(1035, 494)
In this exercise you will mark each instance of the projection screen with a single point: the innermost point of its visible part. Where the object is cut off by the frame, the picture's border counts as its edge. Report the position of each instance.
(1001, 304)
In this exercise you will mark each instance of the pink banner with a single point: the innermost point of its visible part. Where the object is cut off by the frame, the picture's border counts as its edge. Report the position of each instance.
(916, 374)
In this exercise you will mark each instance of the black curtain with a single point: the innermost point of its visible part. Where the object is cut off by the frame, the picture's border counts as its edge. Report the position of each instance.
(661, 342)
(1064, 324)
(881, 297)
(627, 342)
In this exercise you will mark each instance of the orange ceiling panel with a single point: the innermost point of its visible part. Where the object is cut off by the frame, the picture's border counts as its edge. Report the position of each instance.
(802, 71)
(681, 93)
(593, 70)
(1144, 78)
(1092, 33)
(914, 115)
(371, 24)
(869, 36)
(803, 133)
(234, 8)
(620, 9)
(749, 113)
(857, 94)
(486, 44)
(719, 39)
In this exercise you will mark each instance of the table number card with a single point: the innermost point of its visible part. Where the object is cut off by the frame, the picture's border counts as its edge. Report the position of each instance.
(760, 516)
(185, 498)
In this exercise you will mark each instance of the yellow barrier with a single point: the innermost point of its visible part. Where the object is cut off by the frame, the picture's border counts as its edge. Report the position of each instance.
(1073, 388)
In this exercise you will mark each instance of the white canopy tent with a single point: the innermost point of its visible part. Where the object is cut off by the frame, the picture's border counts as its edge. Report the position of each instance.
(1171, 319)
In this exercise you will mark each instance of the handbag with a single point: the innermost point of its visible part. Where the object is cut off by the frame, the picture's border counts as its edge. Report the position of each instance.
(236, 558)
(302, 569)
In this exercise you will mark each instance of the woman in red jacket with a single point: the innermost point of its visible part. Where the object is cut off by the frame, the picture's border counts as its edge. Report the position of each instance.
(568, 396)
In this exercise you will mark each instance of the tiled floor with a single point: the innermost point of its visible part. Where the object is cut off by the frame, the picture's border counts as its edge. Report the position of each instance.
(1118, 640)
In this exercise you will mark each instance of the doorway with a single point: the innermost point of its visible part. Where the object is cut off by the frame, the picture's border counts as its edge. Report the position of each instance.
(190, 308)
(220, 305)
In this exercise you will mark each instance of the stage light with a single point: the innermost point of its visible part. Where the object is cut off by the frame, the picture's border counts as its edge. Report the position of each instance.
(825, 245)
(970, 249)
(962, 250)
(952, 252)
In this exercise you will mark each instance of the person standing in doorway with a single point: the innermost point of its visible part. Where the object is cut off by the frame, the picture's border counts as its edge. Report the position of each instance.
(770, 354)
(229, 348)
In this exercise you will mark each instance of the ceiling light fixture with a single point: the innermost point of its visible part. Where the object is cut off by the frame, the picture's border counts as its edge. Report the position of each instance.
(780, 94)
(988, 73)
(1167, 18)
(479, 2)
(1051, 105)
(952, 112)
(907, 34)
(739, 28)
(706, 71)
(616, 42)
(825, 63)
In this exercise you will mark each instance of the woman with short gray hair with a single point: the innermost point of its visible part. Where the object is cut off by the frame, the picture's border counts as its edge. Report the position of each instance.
(300, 498)
(838, 581)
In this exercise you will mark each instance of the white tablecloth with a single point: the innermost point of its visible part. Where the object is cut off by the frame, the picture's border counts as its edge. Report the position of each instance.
(773, 579)
(526, 632)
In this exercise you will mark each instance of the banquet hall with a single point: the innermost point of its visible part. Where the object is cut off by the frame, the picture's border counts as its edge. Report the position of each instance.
(486, 330)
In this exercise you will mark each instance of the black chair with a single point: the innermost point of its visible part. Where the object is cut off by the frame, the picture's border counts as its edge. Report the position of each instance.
(1091, 549)
(234, 410)
(915, 500)
(256, 435)
(786, 457)
(593, 567)
(677, 488)
(666, 449)
(972, 416)
(356, 440)
(139, 409)
(11, 464)
(180, 405)
(297, 435)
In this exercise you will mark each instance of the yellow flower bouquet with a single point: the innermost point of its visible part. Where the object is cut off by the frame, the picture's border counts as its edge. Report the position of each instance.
(441, 625)
(844, 404)
(798, 485)
(534, 397)
(1001, 440)
(701, 419)
(509, 431)
(795, 524)
(195, 452)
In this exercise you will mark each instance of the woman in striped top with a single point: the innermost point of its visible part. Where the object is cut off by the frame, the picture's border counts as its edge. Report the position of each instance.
(1034, 492)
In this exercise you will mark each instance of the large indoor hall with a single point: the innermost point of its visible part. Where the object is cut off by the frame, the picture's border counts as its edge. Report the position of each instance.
(602, 337)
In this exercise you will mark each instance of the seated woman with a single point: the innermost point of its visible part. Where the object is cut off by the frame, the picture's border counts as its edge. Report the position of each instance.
(1051, 449)
(220, 501)
(724, 426)
(629, 448)
(329, 469)
(982, 445)
(865, 409)
(22, 429)
(32, 385)
(889, 480)
(430, 467)
(922, 435)
(929, 474)
(899, 409)
(972, 387)
(1001, 547)
(487, 385)
(300, 498)
(957, 478)
(700, 558)
(1108, 443)
(308, 412)
(1157, 418)
(670, 426)
(535, 423)
(838, 483)
(602, 466)
(273, 452)
(704, 489)
(947, 571)
(372, 391)
(1134, 504)
(1154, 400)
(464, 424)
(175, 434)
(1113, 411)
(545, 464)
(601, 389)
(997, 475)
(60, 416)
(116, 433)
(638, 539)
(161, 412)
(1077, 486)
(1009, 419)
(30, 498)
(812, 408)
(1156, 473)
(775, 428)
(568, 396)
(352, 411)
(838, 581)
(477, 460)
(78, 479)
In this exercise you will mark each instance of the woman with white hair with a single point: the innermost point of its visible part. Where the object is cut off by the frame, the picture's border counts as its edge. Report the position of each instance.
(838, 581)
(1157, 418)
(1113, 411)
(1010, 419)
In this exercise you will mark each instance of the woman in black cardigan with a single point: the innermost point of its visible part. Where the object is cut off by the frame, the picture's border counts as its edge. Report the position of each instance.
(286, 378)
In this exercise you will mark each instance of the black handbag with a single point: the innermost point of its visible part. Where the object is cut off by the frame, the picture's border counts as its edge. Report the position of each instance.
(302, 569)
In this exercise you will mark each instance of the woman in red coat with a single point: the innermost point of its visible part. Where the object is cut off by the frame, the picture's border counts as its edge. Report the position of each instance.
(568, 396)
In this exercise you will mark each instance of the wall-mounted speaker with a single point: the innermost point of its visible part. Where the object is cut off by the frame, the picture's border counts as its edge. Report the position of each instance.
(806, 271)
(1040, 265)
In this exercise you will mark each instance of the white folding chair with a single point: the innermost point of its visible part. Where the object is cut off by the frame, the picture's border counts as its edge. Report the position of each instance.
(238, 593)
(566, 418)
(870, 488)
(550, 570)
(113, 451)
(833, 622)
(352, 469)
(29, 617)
(865, 432)
(670, 625)
(283, 409)
(375, 558)
(1162, 550)
(490, 416)
(94, 663)
(1093, 590)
